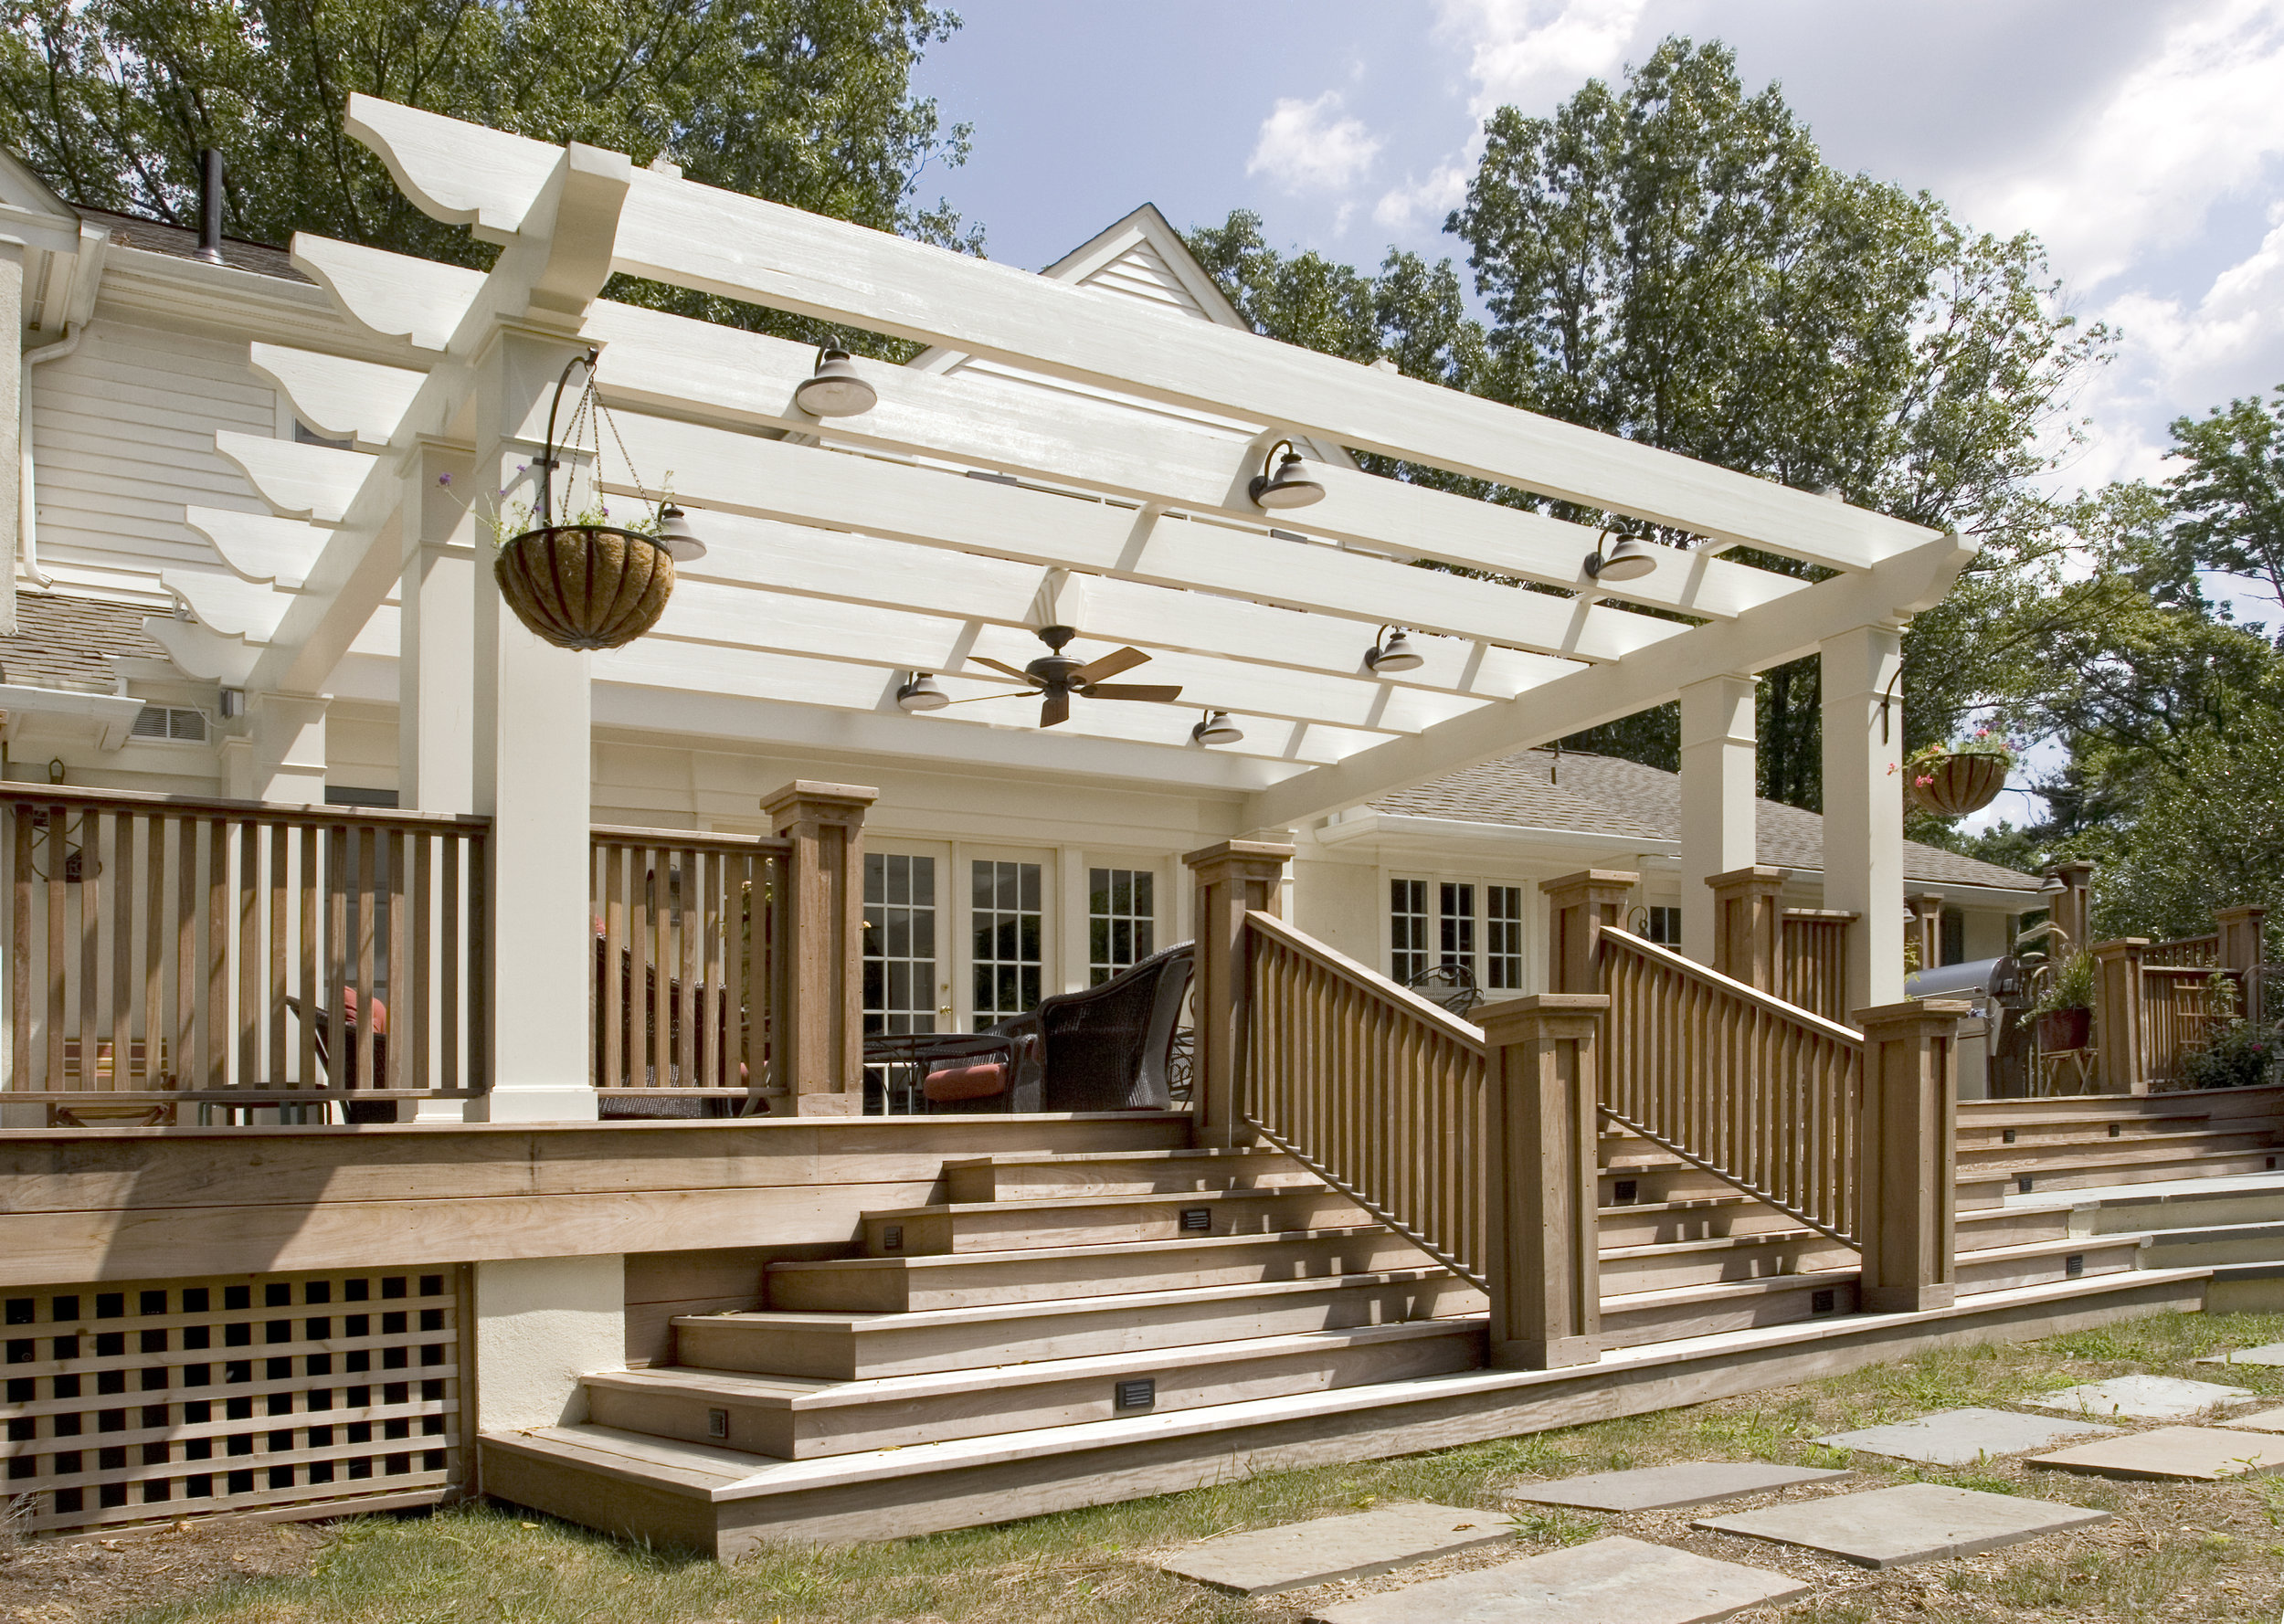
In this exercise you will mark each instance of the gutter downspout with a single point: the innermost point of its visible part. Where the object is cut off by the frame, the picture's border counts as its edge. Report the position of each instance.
(27, 504)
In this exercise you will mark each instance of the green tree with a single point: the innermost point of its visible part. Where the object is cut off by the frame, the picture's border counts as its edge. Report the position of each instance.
(807, 103)
(2229, 496)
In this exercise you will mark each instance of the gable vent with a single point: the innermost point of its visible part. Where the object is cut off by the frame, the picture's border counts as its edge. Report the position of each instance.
(176, 723)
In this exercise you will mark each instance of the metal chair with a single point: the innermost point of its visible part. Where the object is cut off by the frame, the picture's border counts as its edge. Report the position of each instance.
(1450, 986)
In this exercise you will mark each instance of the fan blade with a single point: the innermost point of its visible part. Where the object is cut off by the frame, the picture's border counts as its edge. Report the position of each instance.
(1146, 692)
(1109, 665)
(1056, 709)
(1007, 669)
(982, 698)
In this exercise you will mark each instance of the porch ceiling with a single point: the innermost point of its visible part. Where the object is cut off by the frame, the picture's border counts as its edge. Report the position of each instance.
(845, 551)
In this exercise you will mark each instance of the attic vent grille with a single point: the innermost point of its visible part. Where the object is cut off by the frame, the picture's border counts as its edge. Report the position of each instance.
(171, 721)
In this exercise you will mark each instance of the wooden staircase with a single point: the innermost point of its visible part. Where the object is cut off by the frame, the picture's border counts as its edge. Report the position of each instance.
(2084, 1141)
(1060, 1291)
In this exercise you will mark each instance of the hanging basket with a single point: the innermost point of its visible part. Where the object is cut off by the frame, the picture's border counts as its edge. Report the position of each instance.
(1958, 784)
(585, 585)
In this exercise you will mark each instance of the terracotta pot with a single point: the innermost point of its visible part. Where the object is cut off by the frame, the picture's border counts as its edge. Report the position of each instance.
(586, 586)
(2060, 1030)
(1958, 784)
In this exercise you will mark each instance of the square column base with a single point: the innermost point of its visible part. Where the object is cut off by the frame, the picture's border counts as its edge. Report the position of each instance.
(574, 1103)
(1545, 1355)
(829, 1104)
(1905, 1299)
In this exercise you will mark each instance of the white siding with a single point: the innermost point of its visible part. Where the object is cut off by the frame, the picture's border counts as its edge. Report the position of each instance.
(124, 438)
(1142, 273)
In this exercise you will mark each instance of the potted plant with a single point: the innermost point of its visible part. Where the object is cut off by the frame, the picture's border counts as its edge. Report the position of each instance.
(574, 576)
(2065, 1006)
(1953, 779)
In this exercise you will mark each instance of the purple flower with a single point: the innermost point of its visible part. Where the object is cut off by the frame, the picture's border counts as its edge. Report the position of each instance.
(444, 479)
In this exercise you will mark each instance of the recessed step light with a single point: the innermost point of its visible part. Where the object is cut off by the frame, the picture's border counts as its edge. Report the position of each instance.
(717, 1423)
(1196, 1220)
(891, 1237)
(2074, 1266)
(1626, 1192)
(2021, 1185)
(1141, 1393)
(2006, 1135)
(1822, 1301)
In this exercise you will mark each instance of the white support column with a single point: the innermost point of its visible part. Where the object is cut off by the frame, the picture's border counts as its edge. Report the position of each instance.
(1863, 818)
(436, 678)
(13, 425)
(1719, 769)
(1070, 905)
(280, 757)
(533, 718)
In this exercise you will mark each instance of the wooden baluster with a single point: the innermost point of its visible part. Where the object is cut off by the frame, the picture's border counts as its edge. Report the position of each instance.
(249, 955)
(21, 1071)
(156, 932)
(90, 924)
(305, 887)
(685, 881)
(403, 989)
(452, 1026)
(279, 960)
(414, 1014)
(59, 915)
(610, 967)
(341, 1068)
(214, 1015)
(368, 930)
(187, 1051)
(124, 981)
(660, 949)
(477, 912)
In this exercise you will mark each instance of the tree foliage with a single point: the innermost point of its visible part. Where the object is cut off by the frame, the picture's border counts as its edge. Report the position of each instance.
(2228, 499)
(807, 103)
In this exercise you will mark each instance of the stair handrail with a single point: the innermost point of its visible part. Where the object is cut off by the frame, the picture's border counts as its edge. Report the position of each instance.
(1371, 1131)
(1780, 1130)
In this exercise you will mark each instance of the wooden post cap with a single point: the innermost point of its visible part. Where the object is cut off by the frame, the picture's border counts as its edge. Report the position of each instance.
(1239, 852)
(1509, 1019)
(2243, 911)
(1751, 874)
(807, 798)
(1619, 878)
(1931, 1011)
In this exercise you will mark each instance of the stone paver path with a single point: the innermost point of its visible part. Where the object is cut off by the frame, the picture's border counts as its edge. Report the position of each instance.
(1263, 1561)
(1604, 1581)
(2267, 1420)
(2185, 1454)
(1915, 1522)
(2267, 1353)
(1671, 1487)
(2141, 1398)
(1962, 1437)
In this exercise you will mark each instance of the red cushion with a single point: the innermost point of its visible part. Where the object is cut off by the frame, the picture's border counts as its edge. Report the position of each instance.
(979, 1081)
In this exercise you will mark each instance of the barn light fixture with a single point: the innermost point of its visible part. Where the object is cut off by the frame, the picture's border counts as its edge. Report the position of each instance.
(1217, 729)
(1288, 487)
(921, 694)
(675, 535)
(834, 389)
(1395, 652)
(1629, 560)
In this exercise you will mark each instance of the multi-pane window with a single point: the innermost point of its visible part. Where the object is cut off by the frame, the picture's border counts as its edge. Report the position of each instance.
(899, 943)
(1503, 937)
(1407, 928)
(1663, 927)
(1121, 921)
(1455, 926)
(1005, 918)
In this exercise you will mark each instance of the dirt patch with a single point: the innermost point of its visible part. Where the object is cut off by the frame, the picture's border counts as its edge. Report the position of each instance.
(85, 1581)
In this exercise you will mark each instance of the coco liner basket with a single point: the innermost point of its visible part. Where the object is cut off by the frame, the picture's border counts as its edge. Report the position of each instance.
(1960, 783)
(585, 585)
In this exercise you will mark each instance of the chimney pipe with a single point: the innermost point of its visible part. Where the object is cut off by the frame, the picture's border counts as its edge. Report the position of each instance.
(210, 205)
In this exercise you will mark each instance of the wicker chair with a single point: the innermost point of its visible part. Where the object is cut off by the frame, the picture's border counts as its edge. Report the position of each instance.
(350, 1076)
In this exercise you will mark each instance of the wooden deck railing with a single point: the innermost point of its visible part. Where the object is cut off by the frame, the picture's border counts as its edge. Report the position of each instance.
(1734, 1082)
(2181, 1007)
(691, 922)
(2201, 952)
(165, 948)
(1813, 960)
(1372, 1087)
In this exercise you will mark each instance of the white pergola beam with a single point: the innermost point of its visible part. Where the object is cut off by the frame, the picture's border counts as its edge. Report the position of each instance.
(1892, 591)
(674, 364)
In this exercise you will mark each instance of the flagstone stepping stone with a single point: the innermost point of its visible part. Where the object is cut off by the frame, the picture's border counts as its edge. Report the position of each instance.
(1896, 1527)
(1962, 1437)
(2268, 1420)
(2190, 1454)
(2269, 1354)
(1671, 1487)
(1596, 1583)
(2141, 1397)
(1263, 1561)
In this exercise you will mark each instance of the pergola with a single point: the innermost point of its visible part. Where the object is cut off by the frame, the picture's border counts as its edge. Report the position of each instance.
(846, 553)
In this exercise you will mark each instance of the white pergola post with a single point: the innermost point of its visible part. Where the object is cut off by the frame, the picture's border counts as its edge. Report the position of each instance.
(1863, 785)
(531, 719)
(282, 757)
(436, 678)
(1718, 780)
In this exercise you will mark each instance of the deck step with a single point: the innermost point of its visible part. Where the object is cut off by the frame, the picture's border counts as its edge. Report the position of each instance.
(799, 1420)
(1104, 1221)
(2004, 1268)
(2197, 1144)
(972, 1179)
(858, 1347)
(1631, 1319)
(1702, 1218)
(2010, 1225)
(2092, 1173)
(976, 1280)
(2042, 1133)
(1627, 1271)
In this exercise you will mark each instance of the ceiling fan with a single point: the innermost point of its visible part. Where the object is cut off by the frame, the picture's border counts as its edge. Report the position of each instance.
(1057, 677)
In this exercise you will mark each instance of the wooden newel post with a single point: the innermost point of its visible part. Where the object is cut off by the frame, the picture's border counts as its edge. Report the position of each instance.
(816, 1027)
(1926, 925)
(1748, 916)
(2073, 906)
(1906, 1158)
(1232, 879)
(1578, 906)
(2240, 932)
(1541, 1198)
(2121, 1060)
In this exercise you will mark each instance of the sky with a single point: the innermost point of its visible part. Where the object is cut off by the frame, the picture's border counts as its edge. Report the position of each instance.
(2142, 140)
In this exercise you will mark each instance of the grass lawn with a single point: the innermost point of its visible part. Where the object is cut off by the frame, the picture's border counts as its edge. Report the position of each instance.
(2199, 1554)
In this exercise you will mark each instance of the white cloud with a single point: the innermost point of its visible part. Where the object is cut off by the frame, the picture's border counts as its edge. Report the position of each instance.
(1519, 53)
(2195, 123)
(1308, 146)
(1402, 207)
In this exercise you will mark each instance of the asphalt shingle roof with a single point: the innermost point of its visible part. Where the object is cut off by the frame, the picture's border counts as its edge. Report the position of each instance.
(1605, 795)
(156, 236)
(64, 640)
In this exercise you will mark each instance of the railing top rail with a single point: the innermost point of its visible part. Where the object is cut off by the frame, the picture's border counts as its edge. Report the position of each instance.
(616, 834)
(1375, 987)
(1822, 915)
(2211, 940)
(2186, 972)
(1692, 970)
(128, 800)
